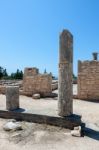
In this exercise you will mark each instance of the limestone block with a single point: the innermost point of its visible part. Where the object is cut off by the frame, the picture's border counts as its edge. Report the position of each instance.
(76, 132)
(12, 126)
(36, 96)
(12, 97)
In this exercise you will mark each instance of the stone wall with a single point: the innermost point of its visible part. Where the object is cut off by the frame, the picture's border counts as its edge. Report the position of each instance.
(88, 80)
(30, 72)
(4, 83)
(33, 82)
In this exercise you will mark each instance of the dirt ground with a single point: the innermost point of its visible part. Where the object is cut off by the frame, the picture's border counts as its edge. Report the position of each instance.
(44, 137)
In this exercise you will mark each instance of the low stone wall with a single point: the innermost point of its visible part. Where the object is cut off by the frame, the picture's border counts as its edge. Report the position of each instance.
(68, 122)
(4, 83)
(32, 83)
(11, 82)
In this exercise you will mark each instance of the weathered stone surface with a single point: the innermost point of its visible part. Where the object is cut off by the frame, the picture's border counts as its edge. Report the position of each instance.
(65, 104)
(12, 126)
(34, 82)
(54, 86)
(2, 89)
(12, 97)
(4, 83)
(36, 96)
(76, 132)
(88, 80)
(68, 122)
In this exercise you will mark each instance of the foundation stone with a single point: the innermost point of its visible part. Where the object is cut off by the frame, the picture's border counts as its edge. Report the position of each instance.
(12, 97)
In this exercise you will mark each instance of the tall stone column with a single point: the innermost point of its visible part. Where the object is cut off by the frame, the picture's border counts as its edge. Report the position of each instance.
(65, 102)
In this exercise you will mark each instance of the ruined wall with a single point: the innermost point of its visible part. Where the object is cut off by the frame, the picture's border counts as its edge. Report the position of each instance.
(4, 83)
(88, 80)
(34, 82)
(30, 72)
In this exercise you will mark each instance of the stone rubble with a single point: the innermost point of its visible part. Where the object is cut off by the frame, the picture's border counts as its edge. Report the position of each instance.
(36, 96)
(76, 132)
(88, 80)
(12, 126)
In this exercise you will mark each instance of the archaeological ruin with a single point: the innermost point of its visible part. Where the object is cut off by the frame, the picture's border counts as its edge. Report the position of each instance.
(65, 102)
(34, 82)
(88, 79)
(12, 97)
(38, 84)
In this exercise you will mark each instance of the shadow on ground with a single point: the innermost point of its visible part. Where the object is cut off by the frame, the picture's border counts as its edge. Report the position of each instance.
(19, 110)
(91, 133)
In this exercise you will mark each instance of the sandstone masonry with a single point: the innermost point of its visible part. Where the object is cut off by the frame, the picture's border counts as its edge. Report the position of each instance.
(88, 79)
(34, 82)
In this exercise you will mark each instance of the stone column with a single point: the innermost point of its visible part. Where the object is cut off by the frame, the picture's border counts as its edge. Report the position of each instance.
(95, 56)
(65, 102)
(12, 97)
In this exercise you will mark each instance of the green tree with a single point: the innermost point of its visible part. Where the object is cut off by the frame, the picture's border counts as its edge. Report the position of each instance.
(17, 75)
(5, 74)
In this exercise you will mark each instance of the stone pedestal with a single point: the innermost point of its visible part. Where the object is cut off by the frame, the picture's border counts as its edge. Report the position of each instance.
(95, 56)
(12, 97)
(65, 103)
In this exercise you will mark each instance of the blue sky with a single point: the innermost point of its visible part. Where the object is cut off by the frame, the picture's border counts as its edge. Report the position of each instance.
(29, 32)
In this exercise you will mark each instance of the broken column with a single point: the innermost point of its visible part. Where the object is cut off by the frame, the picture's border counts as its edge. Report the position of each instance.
(65, 103)
(12, 97)
(95, 56)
